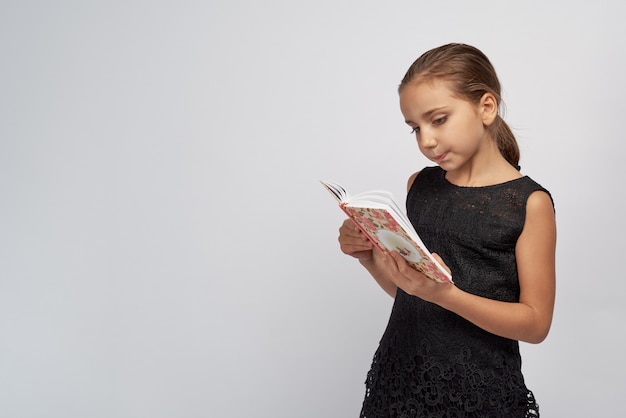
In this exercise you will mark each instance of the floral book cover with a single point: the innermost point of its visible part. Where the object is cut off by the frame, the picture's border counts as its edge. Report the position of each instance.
(380, 226)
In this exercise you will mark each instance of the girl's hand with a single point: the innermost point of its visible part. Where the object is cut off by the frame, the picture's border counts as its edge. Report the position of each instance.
(353, 242)
(414, 282)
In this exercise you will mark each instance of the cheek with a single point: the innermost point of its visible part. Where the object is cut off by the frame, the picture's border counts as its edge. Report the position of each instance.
(472, 132)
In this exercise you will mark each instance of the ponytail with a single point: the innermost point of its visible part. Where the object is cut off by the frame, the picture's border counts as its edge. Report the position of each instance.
(507, 144)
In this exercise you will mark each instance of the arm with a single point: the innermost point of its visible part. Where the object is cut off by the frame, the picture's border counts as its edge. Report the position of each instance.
(527, 320)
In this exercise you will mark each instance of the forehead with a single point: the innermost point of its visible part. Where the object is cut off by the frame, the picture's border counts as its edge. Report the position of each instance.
(426, 91)
(418, 98)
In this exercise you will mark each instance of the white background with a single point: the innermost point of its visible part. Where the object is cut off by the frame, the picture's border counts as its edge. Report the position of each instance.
(166, 249)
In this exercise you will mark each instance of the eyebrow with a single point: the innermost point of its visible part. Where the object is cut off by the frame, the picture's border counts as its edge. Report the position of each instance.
(428, 113)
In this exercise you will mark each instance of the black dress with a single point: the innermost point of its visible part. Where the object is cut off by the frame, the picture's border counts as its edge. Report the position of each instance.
(430, 361)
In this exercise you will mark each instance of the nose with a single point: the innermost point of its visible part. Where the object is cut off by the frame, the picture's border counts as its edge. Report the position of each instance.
(428, 140)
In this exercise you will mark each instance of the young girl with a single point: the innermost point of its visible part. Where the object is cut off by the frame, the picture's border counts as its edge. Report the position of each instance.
(451, 350)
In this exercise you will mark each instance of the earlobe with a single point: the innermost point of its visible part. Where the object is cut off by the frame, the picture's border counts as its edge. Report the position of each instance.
(489, 108)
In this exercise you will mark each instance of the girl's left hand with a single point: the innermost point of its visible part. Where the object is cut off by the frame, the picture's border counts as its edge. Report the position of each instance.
(414, 282)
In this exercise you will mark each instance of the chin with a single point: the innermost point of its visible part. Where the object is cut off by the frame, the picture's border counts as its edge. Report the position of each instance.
(446, 165)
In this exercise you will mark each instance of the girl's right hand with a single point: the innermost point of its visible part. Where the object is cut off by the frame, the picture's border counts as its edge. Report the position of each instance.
(353, 242)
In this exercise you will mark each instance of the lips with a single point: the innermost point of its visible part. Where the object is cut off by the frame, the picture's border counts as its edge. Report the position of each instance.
(440, 157)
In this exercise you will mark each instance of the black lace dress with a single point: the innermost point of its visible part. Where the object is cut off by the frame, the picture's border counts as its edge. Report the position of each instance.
(431, 362)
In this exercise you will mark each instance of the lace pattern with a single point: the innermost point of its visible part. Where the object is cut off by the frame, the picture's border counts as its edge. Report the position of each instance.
(399, 386)
(430, 362)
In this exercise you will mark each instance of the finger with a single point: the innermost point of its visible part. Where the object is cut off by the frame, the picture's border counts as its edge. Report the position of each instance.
(440, 261)
(398, 260)
(352, 232)
(355, 240)
(349, 231)
(395, 274)
(352, 225)
(392, 262)
(355, 246)
(404, 270)
(353, 249)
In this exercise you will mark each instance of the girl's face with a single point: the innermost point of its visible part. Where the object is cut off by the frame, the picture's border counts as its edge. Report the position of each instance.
(450, 131)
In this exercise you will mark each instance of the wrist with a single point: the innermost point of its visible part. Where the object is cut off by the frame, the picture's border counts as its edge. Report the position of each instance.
(448, 292)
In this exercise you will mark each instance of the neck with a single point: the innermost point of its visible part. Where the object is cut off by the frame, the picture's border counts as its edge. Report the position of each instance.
(485, 169)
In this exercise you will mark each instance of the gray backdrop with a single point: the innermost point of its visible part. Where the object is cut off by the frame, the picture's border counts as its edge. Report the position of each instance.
(166, 249)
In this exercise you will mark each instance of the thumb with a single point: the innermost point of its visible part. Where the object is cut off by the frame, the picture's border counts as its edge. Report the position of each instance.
(440, 261)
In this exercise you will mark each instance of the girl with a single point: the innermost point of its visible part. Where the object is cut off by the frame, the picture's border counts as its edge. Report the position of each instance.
(451, 350)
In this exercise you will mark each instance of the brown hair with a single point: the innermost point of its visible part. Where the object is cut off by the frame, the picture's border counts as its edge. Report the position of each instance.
(470, 75)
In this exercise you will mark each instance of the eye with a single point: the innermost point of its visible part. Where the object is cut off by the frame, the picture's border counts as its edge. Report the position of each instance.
(415, 130)
(440, 121)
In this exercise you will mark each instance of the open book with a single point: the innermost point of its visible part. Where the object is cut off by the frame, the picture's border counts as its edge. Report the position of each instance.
(382, 221)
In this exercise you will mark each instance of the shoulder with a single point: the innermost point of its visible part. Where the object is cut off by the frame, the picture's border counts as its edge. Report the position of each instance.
(411, 180)
(538, 196)
(539, 214)
(540, 202)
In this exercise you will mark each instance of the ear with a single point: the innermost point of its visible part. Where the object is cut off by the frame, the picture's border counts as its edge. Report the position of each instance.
(488, 108)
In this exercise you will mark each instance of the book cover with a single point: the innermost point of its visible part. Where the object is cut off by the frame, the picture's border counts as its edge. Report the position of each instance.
(381, 220)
